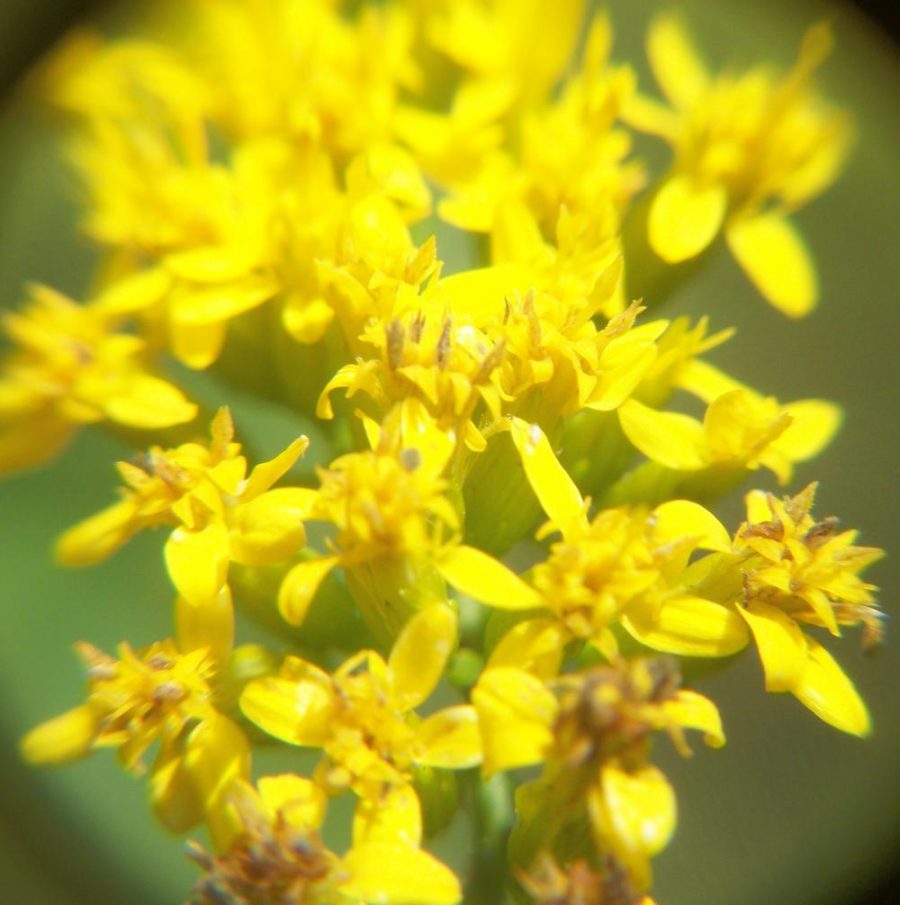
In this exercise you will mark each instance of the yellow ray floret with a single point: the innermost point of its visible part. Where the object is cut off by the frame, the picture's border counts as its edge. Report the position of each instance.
(219, 514)
(157, 694)
(748, 150)
(362, 715)
(72, 365)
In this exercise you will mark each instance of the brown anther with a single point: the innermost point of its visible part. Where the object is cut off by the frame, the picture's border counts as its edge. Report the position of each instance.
(442, 352)
(159, 662)
(410, 458)
(490, 361)
(773, 530)
(822, 532)
(395, 335)
(168, 693)
(417, 327)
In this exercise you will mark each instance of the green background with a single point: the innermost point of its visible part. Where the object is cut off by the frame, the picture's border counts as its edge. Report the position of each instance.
(790, 811)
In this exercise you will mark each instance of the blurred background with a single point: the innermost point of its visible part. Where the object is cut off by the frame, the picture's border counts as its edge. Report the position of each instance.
(790, 811)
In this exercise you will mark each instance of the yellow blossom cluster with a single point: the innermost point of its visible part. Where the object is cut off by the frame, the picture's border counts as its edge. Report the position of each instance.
(508, 548)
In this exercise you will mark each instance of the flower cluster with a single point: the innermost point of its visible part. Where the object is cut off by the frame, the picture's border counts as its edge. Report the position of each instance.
(509, 549)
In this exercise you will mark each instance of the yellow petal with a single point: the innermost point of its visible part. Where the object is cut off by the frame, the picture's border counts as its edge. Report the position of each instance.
(64, 738)
(555, 490)
(307, 319)
(634, 813)
(420, 653)
(674, 440)
(208, 624)
(675, 63)
(827, 691)
(516, 713)
(267, 473)
(300, 585)
(484, 578)
(197, 562)
(296, 800)
(394, 818)
(99, 536)
(269, 528)
(814, 422)
(774, 256)
(399, 875)
(679, 519)
(693, 711)
(217, 754)
(198, 345)
(685, 218)
(149, 403)
(297, 712)
(175, 798)
(450, 739)
(781, 645)
(687, 626)
(535, 645)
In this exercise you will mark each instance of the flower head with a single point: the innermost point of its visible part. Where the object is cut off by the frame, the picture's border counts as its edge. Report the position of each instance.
(748, 149)
(72, 365)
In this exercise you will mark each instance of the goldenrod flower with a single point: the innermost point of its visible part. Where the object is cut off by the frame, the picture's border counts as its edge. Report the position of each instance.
(741, 430)
(72, 366)
(362, 716)
(748, 150)
(398, 533)
(218, 513)
(157, 694)
(277, 856)
(257, 174)
(591, 730)
(627, 566)
(794, 571)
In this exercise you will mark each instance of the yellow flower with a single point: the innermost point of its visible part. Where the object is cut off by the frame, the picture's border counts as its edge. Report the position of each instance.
(397, 531)
(796, 570)
(627, 566)
(218, 513)
(363, 716)
(72, 367)
(277, 855)
(591, 730)
(155, 694)
(748, 150)
(740, 432)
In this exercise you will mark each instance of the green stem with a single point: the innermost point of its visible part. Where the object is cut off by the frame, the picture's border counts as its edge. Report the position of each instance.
(493, 816)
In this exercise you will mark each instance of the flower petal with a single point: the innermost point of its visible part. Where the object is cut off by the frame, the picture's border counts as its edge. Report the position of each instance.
(555, 490)
(679, 519)
(267, 473)
(827, 691)
(208, 624)
(420, 653)
(687, 626)
(394, 818)
(634, 813)
(484, 578)
(676, 65)
(671, 439)
(300, 585)
(297, 711)
(516, 712)
(684, 218)
(197, 562)
(450, 738)
(535, 645)
(64, 738)
(296, 800)
(269, 528)
(781, 645)
(774, 256)
(399, 875)
(693, 711)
